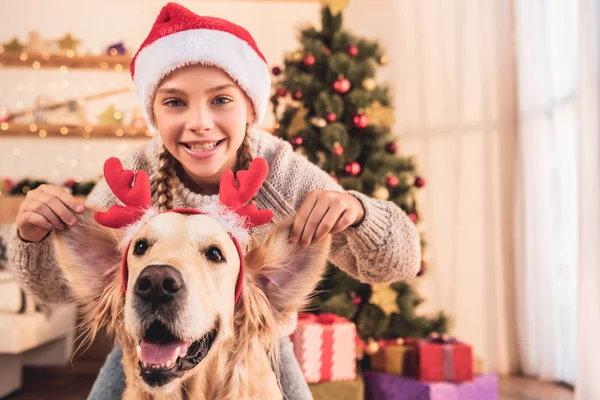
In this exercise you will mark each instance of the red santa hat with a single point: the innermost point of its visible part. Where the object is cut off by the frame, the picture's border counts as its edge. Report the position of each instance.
(179, 38)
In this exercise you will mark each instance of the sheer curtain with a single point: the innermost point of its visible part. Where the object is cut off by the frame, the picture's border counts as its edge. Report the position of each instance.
(546, 215)
(588, 384)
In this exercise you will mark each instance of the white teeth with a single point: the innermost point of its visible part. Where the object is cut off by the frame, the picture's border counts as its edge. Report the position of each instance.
(138, 349)
(168, 364)
(177, 352)
(203, 147)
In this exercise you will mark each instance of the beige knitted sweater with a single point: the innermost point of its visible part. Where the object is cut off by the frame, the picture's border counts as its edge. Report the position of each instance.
(384, 247)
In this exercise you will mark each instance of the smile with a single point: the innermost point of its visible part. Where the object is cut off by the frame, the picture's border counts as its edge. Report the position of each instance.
(164, 357)
(202, 150)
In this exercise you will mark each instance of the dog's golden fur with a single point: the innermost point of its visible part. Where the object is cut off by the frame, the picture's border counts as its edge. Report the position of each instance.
(278, 279)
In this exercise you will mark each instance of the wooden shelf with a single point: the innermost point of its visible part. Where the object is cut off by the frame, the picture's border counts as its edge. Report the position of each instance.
(80, 61)
(72, 131)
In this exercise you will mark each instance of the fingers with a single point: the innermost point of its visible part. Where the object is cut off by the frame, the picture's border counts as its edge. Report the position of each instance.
(66, 198)
(302, 216)
(36, 219)
(344, 221)
(314, 221)
(336, 211)
(52, 207)
(42, 209)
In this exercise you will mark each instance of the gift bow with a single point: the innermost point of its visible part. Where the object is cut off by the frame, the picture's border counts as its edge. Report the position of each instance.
(436, 338)
(321, 319)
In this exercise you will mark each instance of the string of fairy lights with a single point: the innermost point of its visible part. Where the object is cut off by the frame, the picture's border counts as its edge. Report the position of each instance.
(21, 119)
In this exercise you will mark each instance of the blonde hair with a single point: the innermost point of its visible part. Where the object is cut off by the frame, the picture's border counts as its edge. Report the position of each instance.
(166, 171)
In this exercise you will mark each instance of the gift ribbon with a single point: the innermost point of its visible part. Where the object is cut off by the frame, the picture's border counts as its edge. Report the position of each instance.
(448, 362)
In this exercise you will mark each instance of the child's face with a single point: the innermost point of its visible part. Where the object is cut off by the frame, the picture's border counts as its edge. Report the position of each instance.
(201, 115)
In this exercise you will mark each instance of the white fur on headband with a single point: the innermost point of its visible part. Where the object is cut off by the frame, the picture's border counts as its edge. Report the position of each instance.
(229, 220)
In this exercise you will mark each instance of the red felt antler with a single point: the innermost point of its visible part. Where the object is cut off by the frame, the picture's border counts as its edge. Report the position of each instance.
(236, 197)
(137, 198)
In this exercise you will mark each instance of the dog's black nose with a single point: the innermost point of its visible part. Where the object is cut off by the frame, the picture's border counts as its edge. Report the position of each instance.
(158, 283)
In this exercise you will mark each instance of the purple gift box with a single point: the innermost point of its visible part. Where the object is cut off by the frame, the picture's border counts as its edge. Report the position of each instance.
(381, 386)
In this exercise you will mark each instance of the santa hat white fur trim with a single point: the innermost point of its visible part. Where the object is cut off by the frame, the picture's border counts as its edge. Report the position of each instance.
(202, 46)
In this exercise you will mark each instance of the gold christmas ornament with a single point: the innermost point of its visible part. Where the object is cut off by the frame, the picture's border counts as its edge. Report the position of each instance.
(380, 115)
(384, 60)
(384, 297)
(297, 56)
(381, 193)
(298, 122)
(318, 122)
(372, 347)
(336, 6)
(369, 84)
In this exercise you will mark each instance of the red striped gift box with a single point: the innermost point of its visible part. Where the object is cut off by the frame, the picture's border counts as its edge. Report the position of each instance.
(325, 346)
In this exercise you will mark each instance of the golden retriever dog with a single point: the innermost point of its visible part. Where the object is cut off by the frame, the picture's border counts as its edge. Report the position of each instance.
(167, 292)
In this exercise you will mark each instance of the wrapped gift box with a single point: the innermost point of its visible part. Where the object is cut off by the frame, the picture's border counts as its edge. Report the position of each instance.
(382, 386)
(346, 390)
(393, 357)
(440, 359)
(325, 347)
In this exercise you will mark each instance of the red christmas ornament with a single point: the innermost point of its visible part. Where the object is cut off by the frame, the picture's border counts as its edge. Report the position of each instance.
(391, 147)
(70, 183)
(327, 51)
(281, 92)
(338, 149)
(276, 70)
(356, 300)
(341, 85)
(4, 118)
(309, 60)
(419, 182)
(352, 50)
(413, 217)
(297, 95)
(361, 121)
(352, 168)
(296, 141)
(9, 184)
(330, 117)
(392, 181)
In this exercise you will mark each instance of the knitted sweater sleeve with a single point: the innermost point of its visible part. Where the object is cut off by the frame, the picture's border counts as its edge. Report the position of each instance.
(384, 247)
(34, 264)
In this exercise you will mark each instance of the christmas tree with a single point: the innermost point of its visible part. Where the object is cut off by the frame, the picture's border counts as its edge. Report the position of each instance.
(328, 105)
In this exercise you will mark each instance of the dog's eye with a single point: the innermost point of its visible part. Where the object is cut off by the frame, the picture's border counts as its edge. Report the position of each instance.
(140, 247)
(214, 254)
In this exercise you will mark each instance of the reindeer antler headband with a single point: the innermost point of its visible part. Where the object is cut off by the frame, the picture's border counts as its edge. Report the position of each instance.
(233, 212)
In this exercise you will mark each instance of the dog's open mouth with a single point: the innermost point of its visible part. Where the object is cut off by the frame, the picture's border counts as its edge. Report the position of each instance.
(164, 357)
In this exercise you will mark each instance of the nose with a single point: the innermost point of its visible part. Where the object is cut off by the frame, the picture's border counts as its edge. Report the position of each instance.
(159, 283)
(200, 119)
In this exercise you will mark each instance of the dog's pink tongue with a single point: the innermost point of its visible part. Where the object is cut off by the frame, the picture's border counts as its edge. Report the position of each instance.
(160, 353)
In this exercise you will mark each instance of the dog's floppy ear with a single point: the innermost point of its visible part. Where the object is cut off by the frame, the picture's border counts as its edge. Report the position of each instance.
(88, 254)
(286, 272)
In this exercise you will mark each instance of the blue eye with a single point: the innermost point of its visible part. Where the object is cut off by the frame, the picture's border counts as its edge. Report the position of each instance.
(221, 100)
(175, 103)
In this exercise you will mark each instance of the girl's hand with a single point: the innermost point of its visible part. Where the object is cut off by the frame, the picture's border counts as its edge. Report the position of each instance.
(46, 208)
(323, 212)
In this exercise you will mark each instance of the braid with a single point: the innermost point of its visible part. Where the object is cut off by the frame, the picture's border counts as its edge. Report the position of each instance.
(166, 172)
(244, 154)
